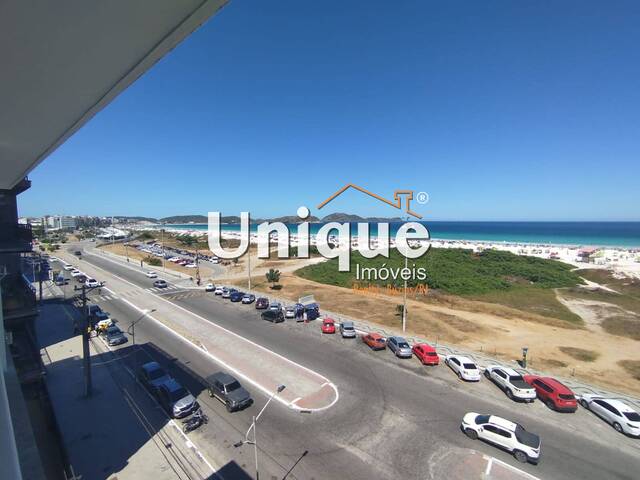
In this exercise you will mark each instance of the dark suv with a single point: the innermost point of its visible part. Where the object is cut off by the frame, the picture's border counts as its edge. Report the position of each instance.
(151, 375)
(228, 390)
(274, 316)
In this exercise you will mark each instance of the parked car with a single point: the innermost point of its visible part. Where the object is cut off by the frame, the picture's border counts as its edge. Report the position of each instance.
(209, 287)
(67, 266)
(81, 278)
(228, 390)
(262, 303)
(426, 354)
(553, 393)
(275, 306)
(219, 290)
(60, 281)
(236, 296)
(464, 367)
(175, 399)
(160, 284)
(290, 311)
(151, 375)
(75, 273)
(615, 412)
(312, 311)
(328, 325)
(91, 282)
(114, 336)
(151, 274)
(248, 298)
(399, 347)
(511, 382)
(272, 316)
(348, 329)
(525, 446)
(375, 341)
(227, 292)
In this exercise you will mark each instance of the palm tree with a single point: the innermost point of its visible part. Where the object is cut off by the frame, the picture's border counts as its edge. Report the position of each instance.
(273, 276)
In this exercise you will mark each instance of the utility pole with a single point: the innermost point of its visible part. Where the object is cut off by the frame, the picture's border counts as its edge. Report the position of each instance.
(197, 265)
(254, 440)
(162, 243)
(86, 328)
(249, 263)
(404, 301)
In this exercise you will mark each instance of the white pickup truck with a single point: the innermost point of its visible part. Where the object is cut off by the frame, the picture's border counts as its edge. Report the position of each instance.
(511, 382)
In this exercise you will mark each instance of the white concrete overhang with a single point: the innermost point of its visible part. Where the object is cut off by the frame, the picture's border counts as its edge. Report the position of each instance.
(62, 61)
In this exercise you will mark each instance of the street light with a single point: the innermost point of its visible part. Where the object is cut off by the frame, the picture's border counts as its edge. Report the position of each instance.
(132, 328)
(254, 441)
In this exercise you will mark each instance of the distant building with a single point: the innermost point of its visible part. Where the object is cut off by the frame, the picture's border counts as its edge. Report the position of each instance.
(60, 222)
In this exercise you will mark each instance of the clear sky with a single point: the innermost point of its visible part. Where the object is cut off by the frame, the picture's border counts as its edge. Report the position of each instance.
(500, 110)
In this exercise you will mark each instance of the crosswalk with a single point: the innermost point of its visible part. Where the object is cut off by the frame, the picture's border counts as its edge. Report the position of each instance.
(171, 291)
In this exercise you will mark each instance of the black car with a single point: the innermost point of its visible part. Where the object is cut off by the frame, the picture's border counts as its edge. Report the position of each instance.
(272, 316)
(228, 390)
(77, 253)
(312, 311)
(160, 284)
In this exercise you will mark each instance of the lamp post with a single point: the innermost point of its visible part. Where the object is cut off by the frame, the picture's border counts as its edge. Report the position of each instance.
(132, 328)
(254, 441)
(404, 296)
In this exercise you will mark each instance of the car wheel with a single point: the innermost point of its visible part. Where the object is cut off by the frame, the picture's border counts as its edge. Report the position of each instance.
(459, 375)
(446, 362)
(228, 405)
(520, 456)
(487, 374)
(618, 427)
(509, 394)
(472, 434)
(584, 404)
(550, 405)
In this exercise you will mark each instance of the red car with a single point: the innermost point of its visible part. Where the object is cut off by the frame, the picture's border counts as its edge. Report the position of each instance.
(426, 354)
(554, 394)
(375, 341)
(328, 325)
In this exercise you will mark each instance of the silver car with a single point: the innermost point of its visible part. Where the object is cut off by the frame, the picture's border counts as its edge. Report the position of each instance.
(347, 330)
(400, 347)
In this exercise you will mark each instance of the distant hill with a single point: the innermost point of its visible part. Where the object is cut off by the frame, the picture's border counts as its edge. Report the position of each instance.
(346, 217)
(333, 217)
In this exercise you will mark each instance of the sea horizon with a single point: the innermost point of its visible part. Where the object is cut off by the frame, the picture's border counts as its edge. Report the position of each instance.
(570, 233)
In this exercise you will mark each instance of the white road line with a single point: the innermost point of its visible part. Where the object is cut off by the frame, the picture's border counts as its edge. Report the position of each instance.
(251, 381)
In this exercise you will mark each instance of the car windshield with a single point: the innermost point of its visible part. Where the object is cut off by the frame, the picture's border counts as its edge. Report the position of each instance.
(177, 394)
(232, 386)
(527, 438)
(348, 327)
(380, 340)
(431, 354)
(516, 378)
(632, 416)
(403, 345)
(481, 419)
(566, 396)
(470, 366)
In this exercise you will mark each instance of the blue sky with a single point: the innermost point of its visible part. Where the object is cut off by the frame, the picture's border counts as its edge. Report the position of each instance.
(500, 110)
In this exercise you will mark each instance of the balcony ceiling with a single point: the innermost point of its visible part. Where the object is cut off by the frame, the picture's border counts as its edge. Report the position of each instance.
(62, 61)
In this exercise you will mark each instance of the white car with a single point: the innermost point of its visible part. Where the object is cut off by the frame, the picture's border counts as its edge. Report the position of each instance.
(151, 274)
(525, 446)
(219, 290)
(464, 367)
(615, 412)
(76, 273)
(67, 266)
(91, 282)
(511, 382)
(190, 265)
(209, 287)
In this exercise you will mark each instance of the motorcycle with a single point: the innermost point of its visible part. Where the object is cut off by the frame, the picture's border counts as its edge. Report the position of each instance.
(194, 421)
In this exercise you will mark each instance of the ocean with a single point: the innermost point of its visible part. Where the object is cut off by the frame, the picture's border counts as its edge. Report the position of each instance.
(613, 234)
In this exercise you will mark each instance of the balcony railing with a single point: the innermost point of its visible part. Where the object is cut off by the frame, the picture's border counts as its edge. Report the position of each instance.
(18, 299)
(15, 237)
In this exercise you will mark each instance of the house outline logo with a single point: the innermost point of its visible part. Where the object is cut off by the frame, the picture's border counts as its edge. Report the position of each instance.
(397, 196)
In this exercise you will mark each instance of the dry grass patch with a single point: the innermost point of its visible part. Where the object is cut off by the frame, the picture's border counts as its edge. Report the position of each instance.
(632, 367)
(580, 354)
(622, 326)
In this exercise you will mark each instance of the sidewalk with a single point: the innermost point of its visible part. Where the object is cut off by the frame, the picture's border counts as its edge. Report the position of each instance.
(116, 433)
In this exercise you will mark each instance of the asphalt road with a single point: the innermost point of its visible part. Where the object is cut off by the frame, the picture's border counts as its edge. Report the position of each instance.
(395, 418)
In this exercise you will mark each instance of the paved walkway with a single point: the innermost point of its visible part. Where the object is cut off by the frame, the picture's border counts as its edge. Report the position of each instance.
(118, 432)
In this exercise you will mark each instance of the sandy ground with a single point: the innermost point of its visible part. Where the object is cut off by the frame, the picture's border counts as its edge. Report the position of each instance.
(466, 324)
